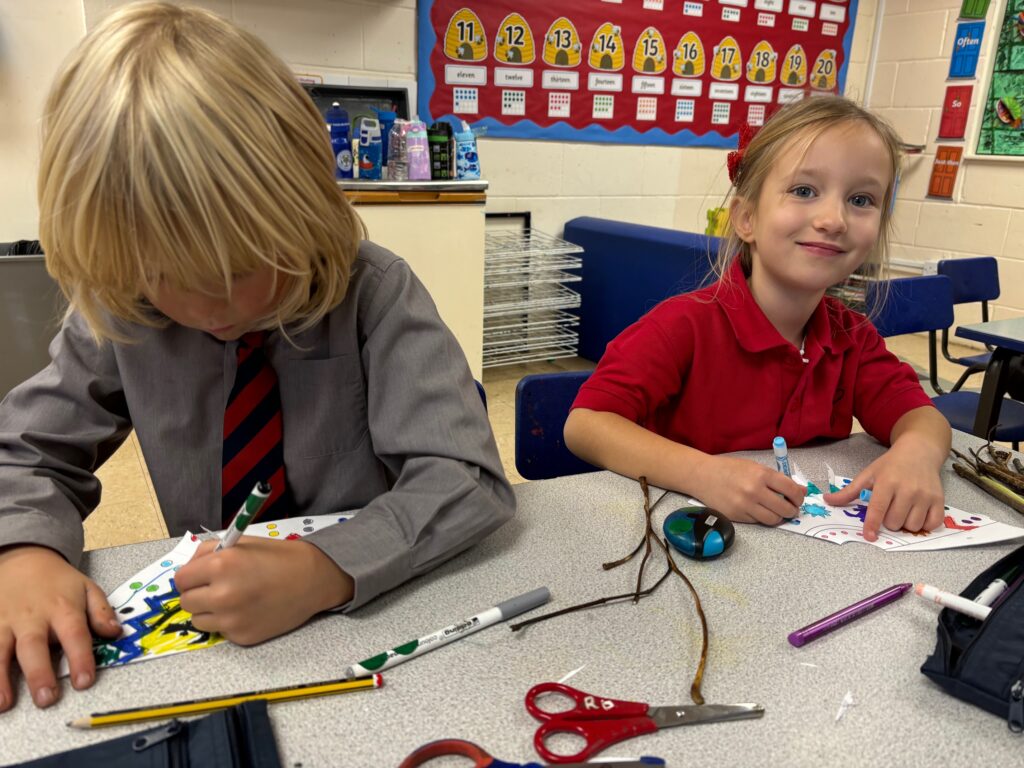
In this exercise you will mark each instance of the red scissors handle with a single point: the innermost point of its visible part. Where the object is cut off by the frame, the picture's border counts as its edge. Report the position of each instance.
(448, 747)
(599, 721)
(597, 735)
(586, 706)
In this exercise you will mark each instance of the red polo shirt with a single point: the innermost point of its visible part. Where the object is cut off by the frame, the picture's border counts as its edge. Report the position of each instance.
(709, 370)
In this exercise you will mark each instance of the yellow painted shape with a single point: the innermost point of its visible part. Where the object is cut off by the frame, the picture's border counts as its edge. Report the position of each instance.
(465, 39)
(649, 53)
(606, 49)
(761, 64)
(562, 47)
(688, 56)
(794, 66)
(514, 42)
(727, 62)
(823, 73)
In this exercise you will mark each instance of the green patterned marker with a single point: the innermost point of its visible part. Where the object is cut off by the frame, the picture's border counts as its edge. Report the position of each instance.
(252, 506)
(400, 653)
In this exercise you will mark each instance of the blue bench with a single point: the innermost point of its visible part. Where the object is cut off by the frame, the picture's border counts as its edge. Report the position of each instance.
(629, 268)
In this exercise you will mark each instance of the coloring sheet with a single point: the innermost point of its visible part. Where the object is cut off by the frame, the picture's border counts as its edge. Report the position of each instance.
(149, 609)
(844, 524)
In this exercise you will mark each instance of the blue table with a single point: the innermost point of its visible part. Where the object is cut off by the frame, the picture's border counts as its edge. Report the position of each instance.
(1005, 371)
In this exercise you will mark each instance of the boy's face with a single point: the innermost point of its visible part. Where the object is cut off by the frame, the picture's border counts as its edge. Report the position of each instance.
(253, 298)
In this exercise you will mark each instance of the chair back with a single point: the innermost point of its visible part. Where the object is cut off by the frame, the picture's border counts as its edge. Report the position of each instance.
(975, 279)
(911, 304)
(542, 406)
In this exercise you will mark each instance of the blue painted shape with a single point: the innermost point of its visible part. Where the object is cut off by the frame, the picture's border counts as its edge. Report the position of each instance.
(966, 48)
(858, 512)
(816, 510)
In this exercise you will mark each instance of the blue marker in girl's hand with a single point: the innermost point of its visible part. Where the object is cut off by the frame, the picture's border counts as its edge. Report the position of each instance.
(782, 456)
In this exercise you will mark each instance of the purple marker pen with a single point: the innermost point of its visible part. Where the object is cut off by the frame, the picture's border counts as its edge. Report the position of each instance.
(855, 611)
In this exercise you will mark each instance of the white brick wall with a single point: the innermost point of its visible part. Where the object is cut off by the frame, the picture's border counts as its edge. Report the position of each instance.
(986, 215)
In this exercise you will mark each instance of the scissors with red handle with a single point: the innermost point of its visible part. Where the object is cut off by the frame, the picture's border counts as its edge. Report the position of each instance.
(602, 722)
(481, 759)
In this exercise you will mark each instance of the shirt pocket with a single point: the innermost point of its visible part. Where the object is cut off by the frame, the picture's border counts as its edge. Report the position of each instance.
(323, 405)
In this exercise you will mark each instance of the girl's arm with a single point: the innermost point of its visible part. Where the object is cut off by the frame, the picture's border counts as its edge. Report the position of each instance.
(905, 484)
(743, 490)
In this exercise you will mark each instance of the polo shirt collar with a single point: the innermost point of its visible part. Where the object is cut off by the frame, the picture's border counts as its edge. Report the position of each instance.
(754, 331)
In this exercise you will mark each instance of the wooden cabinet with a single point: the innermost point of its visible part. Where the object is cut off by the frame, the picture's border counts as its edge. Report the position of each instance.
(438, 227)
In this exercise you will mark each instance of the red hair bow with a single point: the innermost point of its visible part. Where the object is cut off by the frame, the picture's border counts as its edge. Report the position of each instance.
(735, 159)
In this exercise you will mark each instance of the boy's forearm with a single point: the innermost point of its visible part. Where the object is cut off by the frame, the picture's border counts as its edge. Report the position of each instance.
(615, 443)
(925, 431)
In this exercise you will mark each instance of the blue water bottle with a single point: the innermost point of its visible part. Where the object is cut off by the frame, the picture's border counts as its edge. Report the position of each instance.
(387, 121)
(341, 145)
(467, 161)
(370, 148)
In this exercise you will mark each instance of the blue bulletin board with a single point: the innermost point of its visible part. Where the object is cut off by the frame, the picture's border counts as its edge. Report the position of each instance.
(667, 72)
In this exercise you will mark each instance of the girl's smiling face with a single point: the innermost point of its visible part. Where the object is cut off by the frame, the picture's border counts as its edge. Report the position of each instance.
(253, 298)
(819, 214)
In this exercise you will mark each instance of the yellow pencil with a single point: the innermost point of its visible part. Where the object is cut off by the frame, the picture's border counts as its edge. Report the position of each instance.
(198, 706)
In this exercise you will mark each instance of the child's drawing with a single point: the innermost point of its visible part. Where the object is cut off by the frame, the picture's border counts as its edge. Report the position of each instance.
(149, 608)
(840, 525)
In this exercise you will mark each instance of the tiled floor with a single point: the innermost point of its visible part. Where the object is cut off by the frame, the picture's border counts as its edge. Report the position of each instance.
(130, 512)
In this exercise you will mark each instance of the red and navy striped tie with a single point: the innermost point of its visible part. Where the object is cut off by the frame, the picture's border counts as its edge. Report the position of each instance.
(253, 436)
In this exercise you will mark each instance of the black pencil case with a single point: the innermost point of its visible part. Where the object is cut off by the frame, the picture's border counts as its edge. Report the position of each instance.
(982, 662)
(240, 737)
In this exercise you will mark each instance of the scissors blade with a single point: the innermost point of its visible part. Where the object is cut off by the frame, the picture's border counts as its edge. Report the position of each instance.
(666, 717)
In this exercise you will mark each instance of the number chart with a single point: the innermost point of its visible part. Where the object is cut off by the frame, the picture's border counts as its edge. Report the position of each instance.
(631, 71)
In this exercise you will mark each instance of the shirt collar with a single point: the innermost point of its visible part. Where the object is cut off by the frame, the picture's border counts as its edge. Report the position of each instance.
(754, 330)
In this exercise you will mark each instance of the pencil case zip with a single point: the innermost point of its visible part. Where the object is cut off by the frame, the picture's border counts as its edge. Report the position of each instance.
(983, 662)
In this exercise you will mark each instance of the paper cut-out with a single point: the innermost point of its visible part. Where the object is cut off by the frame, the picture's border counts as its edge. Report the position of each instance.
(840, 525)
(148, 605)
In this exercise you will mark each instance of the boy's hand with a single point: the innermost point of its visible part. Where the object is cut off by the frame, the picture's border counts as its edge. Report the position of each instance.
(43, 598)
(748, 492)
(906, 492)
(259, 589)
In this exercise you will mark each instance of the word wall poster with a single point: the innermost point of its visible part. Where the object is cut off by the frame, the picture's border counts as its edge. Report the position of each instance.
(671, 72)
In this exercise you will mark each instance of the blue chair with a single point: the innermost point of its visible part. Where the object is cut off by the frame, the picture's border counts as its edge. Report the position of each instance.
(916, 304)
(974, 280)
(542, 406)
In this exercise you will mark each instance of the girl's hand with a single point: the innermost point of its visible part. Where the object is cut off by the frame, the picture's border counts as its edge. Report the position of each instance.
(905, 492)
(259, 589)
(43, 598)
(748, 492)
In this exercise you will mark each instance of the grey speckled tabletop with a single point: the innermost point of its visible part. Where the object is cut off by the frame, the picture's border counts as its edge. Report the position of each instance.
(768, 584)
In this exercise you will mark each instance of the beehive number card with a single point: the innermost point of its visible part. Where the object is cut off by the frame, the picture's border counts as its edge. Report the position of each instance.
(630, 71)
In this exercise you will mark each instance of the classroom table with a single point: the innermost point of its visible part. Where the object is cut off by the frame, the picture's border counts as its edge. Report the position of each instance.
(1007, 336)
(768, 584)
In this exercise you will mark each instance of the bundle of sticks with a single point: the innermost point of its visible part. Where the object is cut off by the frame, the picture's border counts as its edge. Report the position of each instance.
(997, 472)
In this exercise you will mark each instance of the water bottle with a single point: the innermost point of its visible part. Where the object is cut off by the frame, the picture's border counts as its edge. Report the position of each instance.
(387, 120)
(419, 151)
(341, 146)
(370, 147)
(439, 137)
(467, 161)
(397, 166)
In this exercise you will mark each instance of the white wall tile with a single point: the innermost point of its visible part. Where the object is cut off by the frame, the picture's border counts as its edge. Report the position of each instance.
(549, 214)
(885, 82)
(920, 83)
(602, 169)
(660, 171)
(911, 124)
(958, 227)
(652, 211)
(1011, 284)
(992, 183)
(389, 39)
(308, 32)
(912, 36)
(1013, 248)
(521, 168)
(904, 220)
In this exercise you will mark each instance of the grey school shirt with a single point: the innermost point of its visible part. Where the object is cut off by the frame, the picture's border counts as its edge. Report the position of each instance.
(380, 415)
